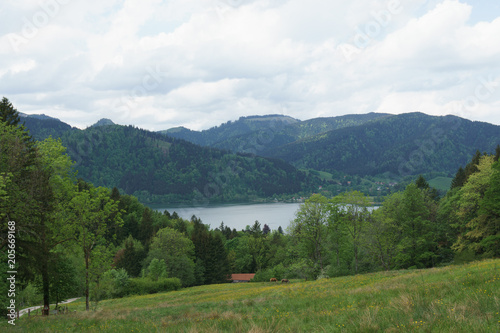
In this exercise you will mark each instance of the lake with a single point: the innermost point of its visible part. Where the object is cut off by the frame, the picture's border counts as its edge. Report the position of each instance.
(238, 216)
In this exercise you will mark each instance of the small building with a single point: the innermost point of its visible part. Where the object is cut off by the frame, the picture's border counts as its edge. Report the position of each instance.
(242, 277)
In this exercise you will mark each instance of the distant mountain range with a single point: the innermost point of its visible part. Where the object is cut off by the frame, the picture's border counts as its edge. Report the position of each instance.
(257, 134)
(367, 144)
(178, 160)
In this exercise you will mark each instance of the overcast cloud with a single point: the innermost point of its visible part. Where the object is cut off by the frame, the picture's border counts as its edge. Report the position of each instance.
(197, 63)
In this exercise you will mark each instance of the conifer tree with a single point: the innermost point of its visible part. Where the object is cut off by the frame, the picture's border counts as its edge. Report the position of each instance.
(422, 183)
(459, 179)
(8, 114)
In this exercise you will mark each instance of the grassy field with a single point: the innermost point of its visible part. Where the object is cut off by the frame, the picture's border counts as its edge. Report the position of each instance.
(451, 299)
(441, 183)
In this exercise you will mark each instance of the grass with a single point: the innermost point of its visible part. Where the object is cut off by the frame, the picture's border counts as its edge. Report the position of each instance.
(450, 299)
(441, 183)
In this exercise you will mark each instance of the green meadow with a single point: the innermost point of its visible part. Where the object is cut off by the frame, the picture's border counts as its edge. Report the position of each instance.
(462, 298)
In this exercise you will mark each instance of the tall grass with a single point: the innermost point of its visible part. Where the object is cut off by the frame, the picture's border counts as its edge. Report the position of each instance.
(462, 298)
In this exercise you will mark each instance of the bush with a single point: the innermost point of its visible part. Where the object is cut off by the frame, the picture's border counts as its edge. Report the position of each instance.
(277, 272)
(144, 286)
(114, 283)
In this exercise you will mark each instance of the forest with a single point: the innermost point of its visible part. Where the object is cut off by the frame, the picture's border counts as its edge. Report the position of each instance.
(73, 238)
(159, 169)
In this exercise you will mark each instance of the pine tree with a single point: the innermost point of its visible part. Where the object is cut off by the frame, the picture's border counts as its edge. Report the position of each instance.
(146, 228)
(8, 113)
(459, 179)
(422, 183)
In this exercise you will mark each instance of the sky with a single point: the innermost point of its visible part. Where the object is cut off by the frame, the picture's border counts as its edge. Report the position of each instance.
(199, 63)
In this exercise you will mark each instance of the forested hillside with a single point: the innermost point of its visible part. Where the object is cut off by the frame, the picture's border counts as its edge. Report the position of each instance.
(260, 133)
(407, 144)
(160, 169)
(230, 129)
(43, 127)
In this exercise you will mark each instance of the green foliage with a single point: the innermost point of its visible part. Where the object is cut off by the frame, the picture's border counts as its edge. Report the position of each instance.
(144, 286)
(177, 251)
(8, 114)
(407, 144)
(309, 228)
(130, 257)
(115, 283)
(157, 269)
(471, 195)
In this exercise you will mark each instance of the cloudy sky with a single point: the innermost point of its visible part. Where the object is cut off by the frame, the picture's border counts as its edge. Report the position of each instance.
(197, 63)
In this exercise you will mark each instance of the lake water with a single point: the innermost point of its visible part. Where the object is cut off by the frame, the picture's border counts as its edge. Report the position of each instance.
(238, 216)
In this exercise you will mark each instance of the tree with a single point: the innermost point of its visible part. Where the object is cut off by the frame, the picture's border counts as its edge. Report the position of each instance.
(131, 256)
(40, 182)
(146, 230)
(459, 179)
(89, 211)
(211, 256)
(178, 253)
(422, 183)
(415, 246)
(8, 114)
(309, 227)
(62, 278)
(473, 217)
(384, 233)
(157, 269)
(99, 263)
(354, 218)
(486, 228)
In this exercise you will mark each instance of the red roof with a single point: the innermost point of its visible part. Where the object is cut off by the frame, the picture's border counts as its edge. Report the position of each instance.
(242, 277)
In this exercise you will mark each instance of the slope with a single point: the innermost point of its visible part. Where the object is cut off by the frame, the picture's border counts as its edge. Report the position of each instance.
(461, 298)
(157, 168)
(230, 129)
(261, 140)
(406, 144)
(41, 126)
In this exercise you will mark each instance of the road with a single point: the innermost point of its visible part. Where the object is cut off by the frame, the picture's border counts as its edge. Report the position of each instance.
(33, 308)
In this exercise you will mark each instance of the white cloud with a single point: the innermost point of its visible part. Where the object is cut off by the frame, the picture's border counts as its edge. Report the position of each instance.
(159, 64)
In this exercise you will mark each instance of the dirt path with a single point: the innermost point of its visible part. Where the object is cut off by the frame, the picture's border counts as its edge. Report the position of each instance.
(33, 308)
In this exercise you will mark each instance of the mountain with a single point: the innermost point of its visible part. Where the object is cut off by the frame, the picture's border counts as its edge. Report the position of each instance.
(230, 129)
(42, 126)
(400, 145)
(263, 139)
(103, 122)
(160, 169)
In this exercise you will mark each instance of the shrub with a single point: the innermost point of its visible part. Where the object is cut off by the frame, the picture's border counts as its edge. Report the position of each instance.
(144, 286)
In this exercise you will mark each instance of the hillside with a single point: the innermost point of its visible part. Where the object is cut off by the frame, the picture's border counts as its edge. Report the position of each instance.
(157, 168)
(230, 129)
(41, 126)
(460, 298)
(262, 140)
(406, 144)
(257, 134)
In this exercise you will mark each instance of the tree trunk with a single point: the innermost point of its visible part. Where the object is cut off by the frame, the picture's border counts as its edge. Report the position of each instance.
(356, 258)
(45, 287)
(87, 307)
